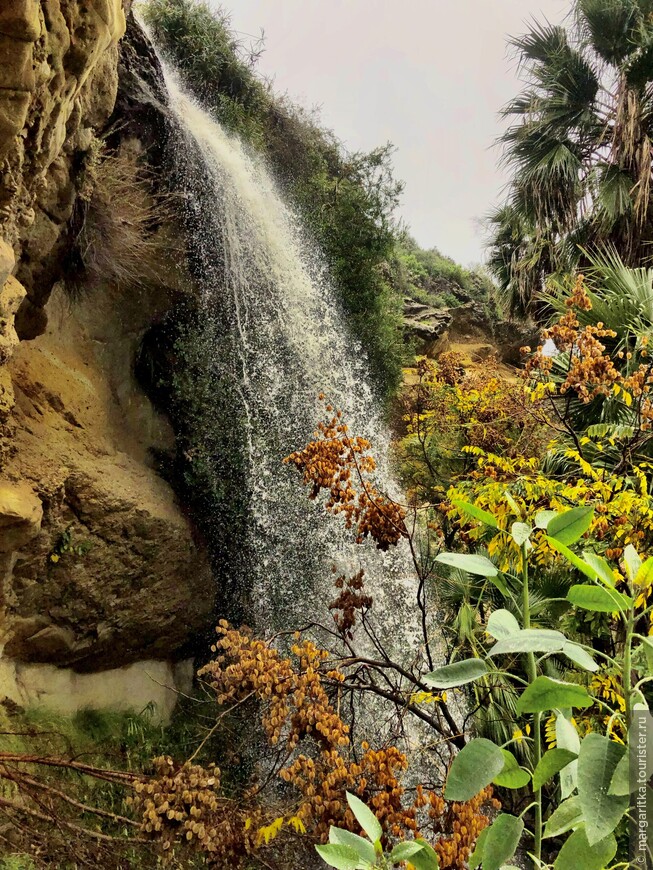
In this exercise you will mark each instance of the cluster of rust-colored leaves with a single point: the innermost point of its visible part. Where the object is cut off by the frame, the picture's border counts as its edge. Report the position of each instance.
(591, 370)
(293, 697)
(341, 465)
(351, 601)
(184, 803)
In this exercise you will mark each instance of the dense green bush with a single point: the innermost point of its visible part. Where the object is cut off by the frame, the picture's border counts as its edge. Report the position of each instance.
(347, 200)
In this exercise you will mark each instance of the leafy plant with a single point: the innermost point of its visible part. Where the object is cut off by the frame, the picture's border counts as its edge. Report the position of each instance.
(347, 851)
(589, 769)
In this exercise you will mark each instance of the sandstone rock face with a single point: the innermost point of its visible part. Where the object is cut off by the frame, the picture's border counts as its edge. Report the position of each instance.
(113, 574)
(101, 569)
(425, 324)
(58, 83)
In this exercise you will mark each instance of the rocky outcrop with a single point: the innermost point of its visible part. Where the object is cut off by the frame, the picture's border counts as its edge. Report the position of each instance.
(101, 567)
(425, 324)
(434, 330)
(58, 84)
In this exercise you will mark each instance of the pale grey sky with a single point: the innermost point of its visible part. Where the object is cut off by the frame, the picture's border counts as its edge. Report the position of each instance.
(428, 75)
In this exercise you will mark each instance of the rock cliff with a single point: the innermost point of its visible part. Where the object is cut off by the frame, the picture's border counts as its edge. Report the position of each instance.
(101, 567)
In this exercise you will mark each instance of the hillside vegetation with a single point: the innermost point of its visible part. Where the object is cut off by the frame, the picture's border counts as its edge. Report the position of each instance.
(347, 200)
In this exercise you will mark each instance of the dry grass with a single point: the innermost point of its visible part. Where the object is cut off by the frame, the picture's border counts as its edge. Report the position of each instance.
(119, 214)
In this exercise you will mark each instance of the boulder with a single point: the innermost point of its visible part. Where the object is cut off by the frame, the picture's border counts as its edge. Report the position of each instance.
(21, 514)
(424, 324)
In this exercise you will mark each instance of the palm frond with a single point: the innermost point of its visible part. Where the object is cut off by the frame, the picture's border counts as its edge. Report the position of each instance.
(610, 27)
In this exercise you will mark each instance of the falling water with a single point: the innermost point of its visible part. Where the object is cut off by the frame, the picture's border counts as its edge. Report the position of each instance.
(269, 311)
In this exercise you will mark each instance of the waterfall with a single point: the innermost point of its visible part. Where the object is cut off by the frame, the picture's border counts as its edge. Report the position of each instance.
(271, 320)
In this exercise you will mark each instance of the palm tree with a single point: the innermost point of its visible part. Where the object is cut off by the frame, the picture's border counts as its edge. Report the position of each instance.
(579, 147)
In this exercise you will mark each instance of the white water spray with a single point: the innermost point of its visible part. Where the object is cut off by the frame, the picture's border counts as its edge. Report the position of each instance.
(262, 278)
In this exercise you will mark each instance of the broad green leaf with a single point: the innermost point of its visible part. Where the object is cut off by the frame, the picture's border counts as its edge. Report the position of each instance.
(469, 562)
(632, 562)
(572, 558)
(621, 783)
(530, 640)
(644, 576)
(361, 846)
(598, 598)
(502, 840)
(501, 624)
(597, 760)
(477, 855)
(476, 513)
(520, 532)
(551, 763)
(603, 570)
(512, 775)
(427, 859)
(578, 854)
(543, 518)
(545, 693)
(456, 674)
(571, 525)
(579, 656)
(567, 738)
(475, 766)
(565, 817)
(365, 817)
(403, 851)
(340, 857)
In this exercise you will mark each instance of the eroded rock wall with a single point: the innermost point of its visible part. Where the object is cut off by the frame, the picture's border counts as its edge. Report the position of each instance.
(100, 565)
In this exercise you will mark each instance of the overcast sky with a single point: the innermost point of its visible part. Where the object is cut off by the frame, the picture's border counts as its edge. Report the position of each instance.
(428, 75)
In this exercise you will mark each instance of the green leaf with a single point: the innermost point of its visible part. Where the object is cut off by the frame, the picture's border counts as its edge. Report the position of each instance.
(598, 598)
(514, 507)
(572, 558)
(603, 570)
(512, 775)
(476, 513)
(545, 693)
(340, 857)
(565, 817)
(577, 852)
(501, 624)
(530, 640)
(427, 859)
(469, 562)
(647, 645)
(500, 584)
(365, 817)
(567, 738)
(475, 766)
(543, 518)
(621, 783)
(502, 840)
(404, 851)
(551, 763)
(361, 846)
(644, 575)
(571, 525)
(579, 656)
(597, 760)
(456, 674)
(520, 532)
(477, 855)
(632, 562)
